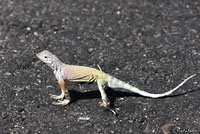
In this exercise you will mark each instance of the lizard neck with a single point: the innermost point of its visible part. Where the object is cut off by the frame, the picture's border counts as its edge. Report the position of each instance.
(55, 65)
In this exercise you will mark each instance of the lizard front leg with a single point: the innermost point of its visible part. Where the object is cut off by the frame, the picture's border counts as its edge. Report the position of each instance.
(64, 97)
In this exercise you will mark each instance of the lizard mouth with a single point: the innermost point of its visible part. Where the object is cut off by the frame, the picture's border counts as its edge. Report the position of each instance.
(38, 54)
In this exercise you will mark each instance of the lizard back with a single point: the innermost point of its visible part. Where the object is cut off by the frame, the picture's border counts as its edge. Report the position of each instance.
(74, 73)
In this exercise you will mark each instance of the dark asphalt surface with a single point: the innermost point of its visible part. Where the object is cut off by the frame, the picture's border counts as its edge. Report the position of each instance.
(153, 45)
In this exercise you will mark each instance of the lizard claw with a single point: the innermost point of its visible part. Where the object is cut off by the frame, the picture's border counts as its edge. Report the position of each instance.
(57, 97)
(107, 106)
(113, 111)
(105, 103)
(61, 102)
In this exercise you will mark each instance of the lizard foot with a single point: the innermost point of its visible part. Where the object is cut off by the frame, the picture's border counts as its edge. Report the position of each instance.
(57, 97)
(61, 102)
(105, 103)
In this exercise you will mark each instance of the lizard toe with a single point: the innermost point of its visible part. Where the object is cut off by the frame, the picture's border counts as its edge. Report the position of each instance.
(62, 102)
(57, 97)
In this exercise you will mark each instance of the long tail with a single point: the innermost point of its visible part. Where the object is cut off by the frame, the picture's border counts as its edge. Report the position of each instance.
(116, 83)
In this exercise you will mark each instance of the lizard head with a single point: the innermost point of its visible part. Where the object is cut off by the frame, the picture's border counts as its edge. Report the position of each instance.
(47, 57)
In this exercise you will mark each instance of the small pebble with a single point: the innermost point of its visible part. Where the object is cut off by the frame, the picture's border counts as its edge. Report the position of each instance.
(84, 118)
(118, 13)
(7, 74)
(90, 49)
(36, 33)
(28, 28)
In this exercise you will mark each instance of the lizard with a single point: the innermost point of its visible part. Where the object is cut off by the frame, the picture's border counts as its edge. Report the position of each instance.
(75, 73)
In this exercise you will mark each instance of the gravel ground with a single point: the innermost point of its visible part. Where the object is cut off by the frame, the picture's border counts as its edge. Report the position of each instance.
(153, 45)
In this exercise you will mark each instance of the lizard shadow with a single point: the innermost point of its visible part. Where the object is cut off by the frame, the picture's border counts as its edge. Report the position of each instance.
(112, 95)
(180, 94)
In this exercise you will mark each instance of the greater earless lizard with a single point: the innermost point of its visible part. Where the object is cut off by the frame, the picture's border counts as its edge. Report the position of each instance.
(73, 73)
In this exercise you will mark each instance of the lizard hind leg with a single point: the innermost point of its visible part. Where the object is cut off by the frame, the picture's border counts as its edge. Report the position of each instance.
(105, 101)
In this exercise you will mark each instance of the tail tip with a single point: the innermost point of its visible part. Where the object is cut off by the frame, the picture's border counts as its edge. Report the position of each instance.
(192, 75)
